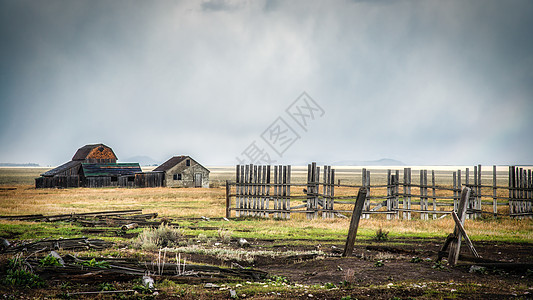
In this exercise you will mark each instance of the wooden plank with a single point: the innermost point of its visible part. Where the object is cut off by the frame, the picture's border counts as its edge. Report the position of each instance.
(354, 222)
(255, 192)
(237, 190)
(405, 192)
(478, 199)
(511, 189)
(275, 198)
(288, 202)
(397, 193)
(494, 193)
(389, 192)
(316, 184)
(284, 198)
(461, 229)
(331, 192)
(408, 193)
(267, 206)
(530, 191)
(434, 194)
(455, 245)
(309, 192)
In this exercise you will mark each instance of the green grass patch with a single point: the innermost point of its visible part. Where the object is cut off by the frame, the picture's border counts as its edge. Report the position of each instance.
(31, 230)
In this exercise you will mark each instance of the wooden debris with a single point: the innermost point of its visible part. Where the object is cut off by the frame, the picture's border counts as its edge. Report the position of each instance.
(64, 244)
(127, 227)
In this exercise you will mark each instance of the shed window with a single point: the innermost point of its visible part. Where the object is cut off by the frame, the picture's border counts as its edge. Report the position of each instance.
(188, 162)
(177, 176)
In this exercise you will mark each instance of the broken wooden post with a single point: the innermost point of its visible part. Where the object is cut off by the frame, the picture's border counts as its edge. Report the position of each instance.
(354, 223)
(455, 245)
(461, 229)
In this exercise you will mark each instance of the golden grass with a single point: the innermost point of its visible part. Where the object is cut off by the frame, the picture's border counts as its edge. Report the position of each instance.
(181, 202)
(165, 201)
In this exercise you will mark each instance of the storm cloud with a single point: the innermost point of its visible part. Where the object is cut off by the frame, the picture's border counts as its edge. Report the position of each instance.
(423, 82)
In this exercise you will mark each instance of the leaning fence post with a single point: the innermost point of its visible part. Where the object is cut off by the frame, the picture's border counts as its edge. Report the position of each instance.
(354, 222)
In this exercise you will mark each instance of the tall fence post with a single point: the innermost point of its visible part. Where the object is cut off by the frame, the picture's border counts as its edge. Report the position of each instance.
(366, 185)
(407, 193)
(479, 207)
(389, 193)
(494, 193)
(511, 190)
(288, 198)
(228, 199)
(397, 193)
(434, 194)
(267, 200)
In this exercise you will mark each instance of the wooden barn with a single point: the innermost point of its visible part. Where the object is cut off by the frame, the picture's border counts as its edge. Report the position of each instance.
(183, 171)
(91, 166)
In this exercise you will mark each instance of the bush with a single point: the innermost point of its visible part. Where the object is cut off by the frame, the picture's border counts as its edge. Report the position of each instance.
(381, 235)
(225, 235)
(155, 238)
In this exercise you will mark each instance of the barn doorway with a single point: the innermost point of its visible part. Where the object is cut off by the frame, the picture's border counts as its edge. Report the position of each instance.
(198, 180)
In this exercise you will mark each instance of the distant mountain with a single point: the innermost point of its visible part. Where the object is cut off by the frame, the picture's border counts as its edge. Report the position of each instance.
(142, 160)
(379, 162)
(19, 165)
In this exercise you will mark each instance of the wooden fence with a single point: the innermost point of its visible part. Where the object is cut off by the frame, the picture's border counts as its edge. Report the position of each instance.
(267, 191)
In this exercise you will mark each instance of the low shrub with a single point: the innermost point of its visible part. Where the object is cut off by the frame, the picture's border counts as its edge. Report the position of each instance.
(156, 238)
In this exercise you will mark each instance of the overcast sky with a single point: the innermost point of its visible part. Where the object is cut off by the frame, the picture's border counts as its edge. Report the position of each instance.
(423, 82)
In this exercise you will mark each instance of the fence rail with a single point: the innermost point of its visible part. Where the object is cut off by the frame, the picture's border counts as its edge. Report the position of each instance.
(267, 191)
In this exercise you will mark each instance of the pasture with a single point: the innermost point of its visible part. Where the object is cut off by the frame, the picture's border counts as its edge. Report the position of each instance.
(393, 259)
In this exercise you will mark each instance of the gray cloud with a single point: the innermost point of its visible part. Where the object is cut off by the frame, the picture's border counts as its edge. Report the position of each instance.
(427, 82)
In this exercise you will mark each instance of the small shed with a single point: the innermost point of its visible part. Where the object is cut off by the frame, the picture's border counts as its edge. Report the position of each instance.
(183, 171)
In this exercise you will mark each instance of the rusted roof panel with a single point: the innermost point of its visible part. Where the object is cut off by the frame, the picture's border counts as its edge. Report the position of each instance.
(84, 151)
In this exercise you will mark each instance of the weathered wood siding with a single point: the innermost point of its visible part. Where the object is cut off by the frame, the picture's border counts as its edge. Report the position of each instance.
(57, 182)
(149, 179)
(187, 174)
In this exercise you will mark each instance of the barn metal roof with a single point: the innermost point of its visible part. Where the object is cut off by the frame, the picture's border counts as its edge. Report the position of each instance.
(62, 168)
(118, 169)
(82, 153)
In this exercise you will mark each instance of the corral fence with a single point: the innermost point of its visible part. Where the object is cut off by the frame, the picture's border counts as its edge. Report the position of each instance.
(267, 191)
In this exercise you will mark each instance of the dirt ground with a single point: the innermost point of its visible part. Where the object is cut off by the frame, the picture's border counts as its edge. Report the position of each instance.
(406, 269)
(394, 269)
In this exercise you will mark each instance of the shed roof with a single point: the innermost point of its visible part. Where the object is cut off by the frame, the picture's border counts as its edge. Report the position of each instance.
(118, 169)
(174, 161)
(171, 163)
(68, 165)
(84, 151)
